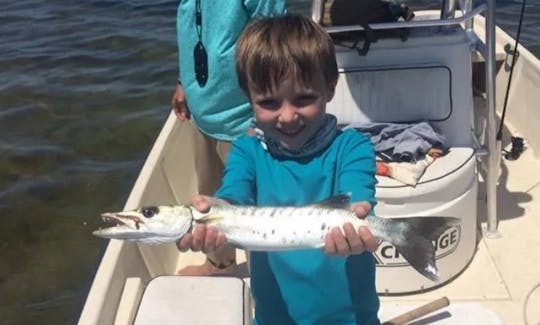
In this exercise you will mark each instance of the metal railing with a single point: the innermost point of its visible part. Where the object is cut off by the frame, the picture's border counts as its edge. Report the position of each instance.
(448, 9)
(494, 158)
(487, 51)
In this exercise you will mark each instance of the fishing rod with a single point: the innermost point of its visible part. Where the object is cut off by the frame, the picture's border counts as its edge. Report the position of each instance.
(517, 143)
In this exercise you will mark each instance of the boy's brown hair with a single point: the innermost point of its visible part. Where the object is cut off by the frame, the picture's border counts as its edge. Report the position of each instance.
(271, 50)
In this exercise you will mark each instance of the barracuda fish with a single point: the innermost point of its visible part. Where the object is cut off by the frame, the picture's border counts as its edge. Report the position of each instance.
(281, 228)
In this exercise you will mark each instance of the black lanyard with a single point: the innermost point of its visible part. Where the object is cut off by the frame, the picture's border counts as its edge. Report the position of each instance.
(200, 57)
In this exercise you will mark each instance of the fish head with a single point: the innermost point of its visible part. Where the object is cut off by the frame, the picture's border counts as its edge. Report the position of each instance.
(150, 225)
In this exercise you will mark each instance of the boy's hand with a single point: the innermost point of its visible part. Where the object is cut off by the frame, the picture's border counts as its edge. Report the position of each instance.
(351, 241)
(202, 238)
(179, 104)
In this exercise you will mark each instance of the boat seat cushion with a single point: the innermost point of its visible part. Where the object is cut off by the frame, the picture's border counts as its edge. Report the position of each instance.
(446, 178)
(426, 78)
(194, 300)
(393, 94)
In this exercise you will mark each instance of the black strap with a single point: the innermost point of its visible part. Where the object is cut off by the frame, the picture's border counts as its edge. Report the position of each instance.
(368, 36)
(198, 19)
(368, 39)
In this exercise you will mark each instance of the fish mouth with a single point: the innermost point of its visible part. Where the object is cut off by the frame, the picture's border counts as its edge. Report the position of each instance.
(123, 220)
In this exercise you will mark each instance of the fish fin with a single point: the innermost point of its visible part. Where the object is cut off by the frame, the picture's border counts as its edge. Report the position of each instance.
(209, 219)
(340, 201)
(415, 242)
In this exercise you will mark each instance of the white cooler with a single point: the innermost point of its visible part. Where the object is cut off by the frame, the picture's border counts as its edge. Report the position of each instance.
(195, 300)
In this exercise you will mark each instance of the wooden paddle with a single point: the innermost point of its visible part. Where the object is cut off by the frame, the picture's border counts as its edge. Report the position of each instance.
(418, 312)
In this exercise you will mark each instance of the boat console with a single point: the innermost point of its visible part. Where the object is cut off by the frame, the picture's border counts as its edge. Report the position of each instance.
(427, 77)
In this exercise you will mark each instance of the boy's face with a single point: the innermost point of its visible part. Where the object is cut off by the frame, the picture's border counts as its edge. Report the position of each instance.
(293, 112)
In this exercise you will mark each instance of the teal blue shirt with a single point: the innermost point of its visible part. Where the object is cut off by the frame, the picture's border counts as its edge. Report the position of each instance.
(220, 108)
(306, 286)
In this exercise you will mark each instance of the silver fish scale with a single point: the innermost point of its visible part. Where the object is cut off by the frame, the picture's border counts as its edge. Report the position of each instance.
(263, 228)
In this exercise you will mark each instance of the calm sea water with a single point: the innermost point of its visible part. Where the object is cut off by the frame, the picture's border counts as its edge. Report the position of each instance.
(84, 89)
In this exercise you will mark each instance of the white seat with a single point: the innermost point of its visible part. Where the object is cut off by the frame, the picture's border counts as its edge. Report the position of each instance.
(426, 78)
(446, 177)
(195, 300)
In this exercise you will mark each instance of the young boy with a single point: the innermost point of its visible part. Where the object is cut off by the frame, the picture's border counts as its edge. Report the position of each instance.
(287, 67)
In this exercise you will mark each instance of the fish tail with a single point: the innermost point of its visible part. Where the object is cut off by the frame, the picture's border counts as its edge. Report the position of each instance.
(415, 240)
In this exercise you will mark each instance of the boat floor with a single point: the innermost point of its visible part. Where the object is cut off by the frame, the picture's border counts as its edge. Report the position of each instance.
(504, 270)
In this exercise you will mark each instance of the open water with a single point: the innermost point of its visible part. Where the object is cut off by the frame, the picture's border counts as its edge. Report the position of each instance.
(85, 87)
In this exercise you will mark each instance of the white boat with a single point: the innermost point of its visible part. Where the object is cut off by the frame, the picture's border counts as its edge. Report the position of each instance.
(452, 71)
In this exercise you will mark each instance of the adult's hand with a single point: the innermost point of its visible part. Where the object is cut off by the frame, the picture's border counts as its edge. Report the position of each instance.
(179, 104)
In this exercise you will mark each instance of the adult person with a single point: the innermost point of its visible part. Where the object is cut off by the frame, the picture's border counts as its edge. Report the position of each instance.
(208, 94)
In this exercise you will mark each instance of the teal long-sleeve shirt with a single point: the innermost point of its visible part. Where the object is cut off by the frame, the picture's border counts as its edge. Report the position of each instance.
(219, 109)
(306, 286)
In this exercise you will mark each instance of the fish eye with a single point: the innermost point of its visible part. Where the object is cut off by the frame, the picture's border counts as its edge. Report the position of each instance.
(149, 212)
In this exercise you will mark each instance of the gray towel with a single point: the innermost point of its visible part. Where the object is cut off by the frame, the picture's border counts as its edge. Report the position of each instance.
(402, 142)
